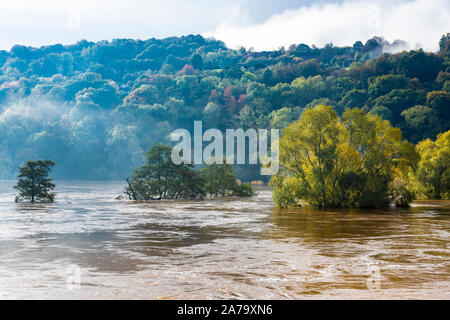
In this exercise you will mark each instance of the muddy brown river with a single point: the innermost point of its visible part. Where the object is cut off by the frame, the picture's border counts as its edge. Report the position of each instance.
(89, 246)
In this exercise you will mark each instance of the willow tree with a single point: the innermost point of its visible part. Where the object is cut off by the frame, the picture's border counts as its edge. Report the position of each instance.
(433, 173)
(34, 184)
(327, 161)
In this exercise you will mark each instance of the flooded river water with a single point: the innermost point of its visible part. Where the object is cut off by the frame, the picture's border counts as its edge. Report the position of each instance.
(89, 246)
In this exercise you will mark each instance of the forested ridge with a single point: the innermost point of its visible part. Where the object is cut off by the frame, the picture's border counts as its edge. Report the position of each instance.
(96, 108)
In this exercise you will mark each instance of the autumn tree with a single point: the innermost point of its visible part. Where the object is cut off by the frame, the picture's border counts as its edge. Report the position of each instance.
(433, 174)
(331, 162)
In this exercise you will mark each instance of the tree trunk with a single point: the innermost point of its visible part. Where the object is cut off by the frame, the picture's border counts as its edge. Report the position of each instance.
(133, 194)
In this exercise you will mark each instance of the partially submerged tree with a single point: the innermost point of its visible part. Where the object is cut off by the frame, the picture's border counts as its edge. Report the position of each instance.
(160, 178)
(220, 181)
(433, 173)
(331, 162)
(34, 184)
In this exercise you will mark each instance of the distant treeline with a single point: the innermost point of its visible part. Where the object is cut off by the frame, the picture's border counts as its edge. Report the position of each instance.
(95, 108)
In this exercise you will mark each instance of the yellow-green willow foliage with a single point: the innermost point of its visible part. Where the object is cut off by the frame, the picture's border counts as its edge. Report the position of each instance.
(433, 173)
(356, 161)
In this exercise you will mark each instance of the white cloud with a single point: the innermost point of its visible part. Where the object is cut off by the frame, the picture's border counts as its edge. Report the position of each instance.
(417, 22)
(232, 13)
(339, 21)
(45, 22)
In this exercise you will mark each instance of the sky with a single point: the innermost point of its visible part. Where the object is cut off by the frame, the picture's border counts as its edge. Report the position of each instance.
(258, 24)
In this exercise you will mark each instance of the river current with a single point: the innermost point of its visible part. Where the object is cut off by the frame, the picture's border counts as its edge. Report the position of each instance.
(88, 245)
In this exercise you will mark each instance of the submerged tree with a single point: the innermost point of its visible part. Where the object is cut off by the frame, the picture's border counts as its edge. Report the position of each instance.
(160, 178)
(220, 181)
(331, 162)
(433, 173)
(34, 184)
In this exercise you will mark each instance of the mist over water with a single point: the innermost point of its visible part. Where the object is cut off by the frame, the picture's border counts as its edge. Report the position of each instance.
(84, 140)
(235, 248)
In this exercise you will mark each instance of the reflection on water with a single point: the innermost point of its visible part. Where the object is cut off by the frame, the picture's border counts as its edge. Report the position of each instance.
(217, 249)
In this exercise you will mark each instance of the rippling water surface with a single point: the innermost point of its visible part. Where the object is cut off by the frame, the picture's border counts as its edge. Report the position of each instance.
(228, 249)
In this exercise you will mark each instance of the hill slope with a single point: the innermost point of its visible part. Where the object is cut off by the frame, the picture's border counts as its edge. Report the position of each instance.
(95, 108)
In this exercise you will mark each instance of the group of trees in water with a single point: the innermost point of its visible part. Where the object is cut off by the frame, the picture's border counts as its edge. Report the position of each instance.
(160, 179)
(357, 160)
(96, 108)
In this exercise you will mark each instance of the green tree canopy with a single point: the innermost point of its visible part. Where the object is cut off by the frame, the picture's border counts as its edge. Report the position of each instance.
(160, 178)
(433, 174)
(331, 162)
(440, 102)
(34, 184)
(421, 121)
(354, 98)
(386, 83)
(220, 181)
